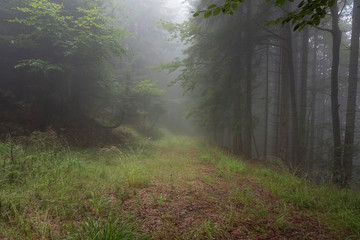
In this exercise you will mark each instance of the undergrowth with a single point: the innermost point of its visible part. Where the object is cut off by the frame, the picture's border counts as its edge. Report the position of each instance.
(337, 208)
(45, 185)
(50, 191)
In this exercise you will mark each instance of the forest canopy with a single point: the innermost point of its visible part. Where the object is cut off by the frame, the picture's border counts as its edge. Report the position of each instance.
(66, 61)
(308, 12)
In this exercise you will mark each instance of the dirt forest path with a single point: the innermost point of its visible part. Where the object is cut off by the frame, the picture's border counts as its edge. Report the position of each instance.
(199, 194)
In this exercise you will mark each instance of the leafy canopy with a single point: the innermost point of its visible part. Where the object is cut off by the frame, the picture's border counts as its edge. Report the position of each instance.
(308, 12)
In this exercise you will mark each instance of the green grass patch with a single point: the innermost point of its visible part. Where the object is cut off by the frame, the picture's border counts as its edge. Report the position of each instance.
(106, 229)
(339, 208)
(136, 175)
(229, 165)
(208, 179)
(44, 186)
(241, 197)
(208, 230)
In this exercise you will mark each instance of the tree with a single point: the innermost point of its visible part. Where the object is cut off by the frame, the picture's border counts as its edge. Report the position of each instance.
(336, 40)
(59, 52)
(351, 98)
(308, 12)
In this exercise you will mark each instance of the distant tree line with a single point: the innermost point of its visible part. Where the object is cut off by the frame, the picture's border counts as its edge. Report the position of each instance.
(263, 89)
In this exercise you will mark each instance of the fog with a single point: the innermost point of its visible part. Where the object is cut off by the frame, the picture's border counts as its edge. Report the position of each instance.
(165, 92)
(153, 64)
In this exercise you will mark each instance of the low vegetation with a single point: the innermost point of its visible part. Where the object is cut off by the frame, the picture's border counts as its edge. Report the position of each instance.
(172, 188)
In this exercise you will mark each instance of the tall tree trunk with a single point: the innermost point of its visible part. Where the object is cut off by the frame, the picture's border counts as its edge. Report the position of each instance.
(283, 143)
(336, 36)
(351, 99)
(266, 102)
(249, 46)
(292, 91)
(313, 104)
(278, 104)
(303, 96)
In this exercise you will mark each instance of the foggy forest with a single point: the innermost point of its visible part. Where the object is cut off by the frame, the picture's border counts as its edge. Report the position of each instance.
(179, 119)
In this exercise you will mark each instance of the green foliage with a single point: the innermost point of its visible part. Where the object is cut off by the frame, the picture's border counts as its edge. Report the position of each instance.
(135, 100)
(212, 72)
(86, 29)
(147, 88)
(62, 53)
(307, 13)
(38, 66)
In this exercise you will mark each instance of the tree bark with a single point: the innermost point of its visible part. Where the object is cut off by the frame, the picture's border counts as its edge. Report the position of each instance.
(336, 38)
(287, 35)
(351, 98)
(314, 90)
(303, 96)
(266, 102)
(249, 45)
(283, 143)
(278, 104)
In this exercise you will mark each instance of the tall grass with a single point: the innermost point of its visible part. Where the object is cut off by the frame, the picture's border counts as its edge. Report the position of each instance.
(338, 208)
(105, 229)
(44, 185)
(49, 191)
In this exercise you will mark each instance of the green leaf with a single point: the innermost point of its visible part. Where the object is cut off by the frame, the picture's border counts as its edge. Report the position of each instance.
(216, 11)
(212, 6)
(235, 6)
(208, 14)
(196, 14)
(227, 7)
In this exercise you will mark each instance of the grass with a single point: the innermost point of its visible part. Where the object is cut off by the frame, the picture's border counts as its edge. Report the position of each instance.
(209, 231)
(105, 229)
(43, 188)
(337, 208)
(49, 191)
(45, 185)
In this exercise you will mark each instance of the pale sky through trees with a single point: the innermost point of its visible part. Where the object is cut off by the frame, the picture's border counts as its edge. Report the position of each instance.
(181, 7)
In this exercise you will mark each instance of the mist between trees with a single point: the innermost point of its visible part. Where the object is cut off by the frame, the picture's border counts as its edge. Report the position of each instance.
(74, 65)
(265, 90)
(82, 67)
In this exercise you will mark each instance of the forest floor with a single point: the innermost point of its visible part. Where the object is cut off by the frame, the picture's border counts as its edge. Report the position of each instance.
(174, 188)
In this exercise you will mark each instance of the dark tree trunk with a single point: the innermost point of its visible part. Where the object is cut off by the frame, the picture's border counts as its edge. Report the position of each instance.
(314, 89)
(249, 46)
(283, 143)
(278, 104)
(351, 99)
(266, 102)
(292, 92)
(336, 36)
(303, 96)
